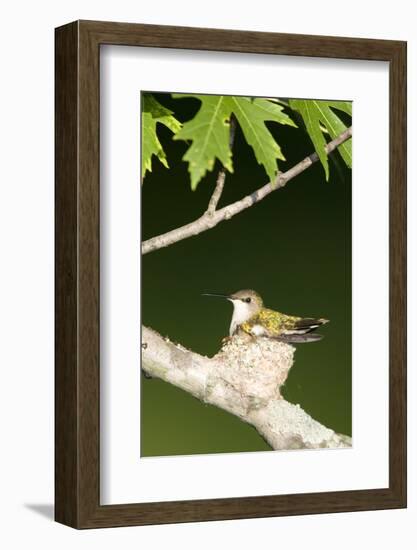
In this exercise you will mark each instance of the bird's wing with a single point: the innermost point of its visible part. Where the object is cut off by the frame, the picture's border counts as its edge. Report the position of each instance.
(286, 328)
(302, 325)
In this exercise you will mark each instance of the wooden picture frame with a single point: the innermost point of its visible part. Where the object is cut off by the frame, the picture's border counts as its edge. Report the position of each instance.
(77, 384)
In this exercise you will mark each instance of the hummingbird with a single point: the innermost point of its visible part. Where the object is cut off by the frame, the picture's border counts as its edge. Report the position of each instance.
(251, 317)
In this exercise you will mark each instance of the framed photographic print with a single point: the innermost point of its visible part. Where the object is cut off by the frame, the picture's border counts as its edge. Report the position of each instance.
(230, 274)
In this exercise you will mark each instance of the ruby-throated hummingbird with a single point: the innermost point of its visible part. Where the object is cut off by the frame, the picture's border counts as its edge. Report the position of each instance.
(251, 317)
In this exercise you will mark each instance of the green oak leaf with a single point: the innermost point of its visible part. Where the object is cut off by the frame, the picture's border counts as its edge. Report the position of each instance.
(252, 116)
(209, 132)
(335, 126)
(152, 113)
(316, 114)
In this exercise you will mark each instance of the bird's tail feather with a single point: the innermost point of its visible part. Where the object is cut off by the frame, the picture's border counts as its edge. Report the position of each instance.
(299, 338)
(308, 324)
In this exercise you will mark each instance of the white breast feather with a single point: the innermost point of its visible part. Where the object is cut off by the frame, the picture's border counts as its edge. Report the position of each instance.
(241, 313)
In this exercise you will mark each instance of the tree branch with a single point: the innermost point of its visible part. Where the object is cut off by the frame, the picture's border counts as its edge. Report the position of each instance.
(245, 379)
(211, 219)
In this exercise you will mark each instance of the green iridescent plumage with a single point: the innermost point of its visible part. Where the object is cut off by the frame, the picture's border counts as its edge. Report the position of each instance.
(274, 322)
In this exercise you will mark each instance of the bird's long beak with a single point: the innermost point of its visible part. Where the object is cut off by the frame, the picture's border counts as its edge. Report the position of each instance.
(216, 295)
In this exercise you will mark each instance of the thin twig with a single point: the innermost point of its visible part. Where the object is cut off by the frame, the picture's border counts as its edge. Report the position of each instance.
(218, 190)
(207, 221)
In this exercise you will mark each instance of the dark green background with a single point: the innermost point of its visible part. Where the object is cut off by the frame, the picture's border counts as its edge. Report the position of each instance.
(294, 248)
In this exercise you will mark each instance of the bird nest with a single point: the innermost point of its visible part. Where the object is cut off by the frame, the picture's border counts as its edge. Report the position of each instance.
(252, 369)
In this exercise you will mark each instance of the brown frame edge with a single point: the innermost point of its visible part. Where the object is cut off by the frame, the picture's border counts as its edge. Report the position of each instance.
(77, 377)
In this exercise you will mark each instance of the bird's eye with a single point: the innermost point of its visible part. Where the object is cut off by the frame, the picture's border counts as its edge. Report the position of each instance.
(248, 300)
